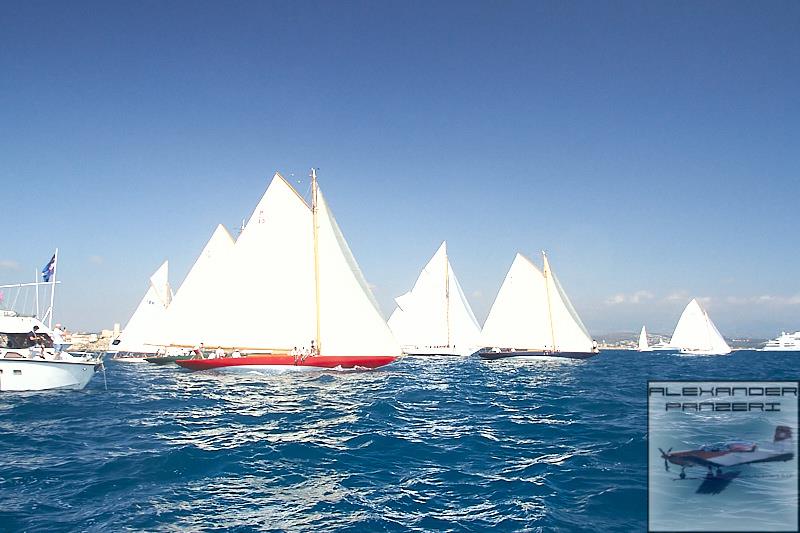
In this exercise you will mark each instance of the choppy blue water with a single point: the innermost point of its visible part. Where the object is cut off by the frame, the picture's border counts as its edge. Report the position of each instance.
(422, 445)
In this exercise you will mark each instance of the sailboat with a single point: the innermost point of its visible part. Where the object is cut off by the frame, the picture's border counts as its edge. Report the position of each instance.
(643, 346)
(434, 318)
(696, 334)
(132, 344)
(532, 317)
(291, 277)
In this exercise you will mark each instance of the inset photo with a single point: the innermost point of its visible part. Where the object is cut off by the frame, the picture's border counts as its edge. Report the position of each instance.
(722, 456)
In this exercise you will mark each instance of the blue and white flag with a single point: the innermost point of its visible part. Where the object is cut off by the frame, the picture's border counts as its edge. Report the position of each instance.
(49, 269)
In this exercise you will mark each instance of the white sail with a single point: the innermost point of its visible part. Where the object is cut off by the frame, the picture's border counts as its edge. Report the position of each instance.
(519, 317)
(267, 289)
(187, 316)
(435, 313)
(351, 322)
(696, 332)
(643, 345)
(569, 333)
(149, 315)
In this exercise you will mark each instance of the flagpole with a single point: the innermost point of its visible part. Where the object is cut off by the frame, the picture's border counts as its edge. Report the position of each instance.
(53, 290)
(35, 280)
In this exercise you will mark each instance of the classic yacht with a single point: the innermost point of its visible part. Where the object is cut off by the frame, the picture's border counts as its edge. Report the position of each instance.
(532, 317)
(696, 334)
(27, 365)
(787, 342)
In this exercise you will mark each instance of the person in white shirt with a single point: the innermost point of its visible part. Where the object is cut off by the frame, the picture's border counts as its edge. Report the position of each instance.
(220, 353)
(58, 338)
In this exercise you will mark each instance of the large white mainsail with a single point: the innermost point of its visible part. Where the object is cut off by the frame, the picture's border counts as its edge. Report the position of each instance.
(643, 345)
(187, 317)
(435, 316)
(266, 292)
(519, 317)
(532, 313)
(696, 333)
(149, 315)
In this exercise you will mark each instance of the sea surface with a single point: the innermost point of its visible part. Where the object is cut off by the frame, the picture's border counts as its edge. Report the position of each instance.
(421, 445)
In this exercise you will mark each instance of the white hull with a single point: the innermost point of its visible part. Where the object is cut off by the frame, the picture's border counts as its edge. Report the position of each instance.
(438, 351)
(787, 342)
(41, 374)
(702, 352)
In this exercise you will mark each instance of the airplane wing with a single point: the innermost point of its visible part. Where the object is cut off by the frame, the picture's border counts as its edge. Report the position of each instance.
(743, 458)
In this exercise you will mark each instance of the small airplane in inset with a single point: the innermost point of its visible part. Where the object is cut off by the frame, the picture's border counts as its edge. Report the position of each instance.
(730, 454)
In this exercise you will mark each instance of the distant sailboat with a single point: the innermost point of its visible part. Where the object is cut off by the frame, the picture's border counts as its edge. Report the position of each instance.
(291, 277)
(434, 318)
(533, 317)
(643, 346)
(696, 333)
(132, 344)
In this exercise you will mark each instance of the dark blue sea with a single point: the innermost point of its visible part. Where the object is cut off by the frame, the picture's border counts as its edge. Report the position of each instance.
(421, 445)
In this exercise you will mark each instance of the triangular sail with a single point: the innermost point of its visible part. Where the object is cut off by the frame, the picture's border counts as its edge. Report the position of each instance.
(186, 317)
(519, 317)
(643, 345)
(696, 332)
(149, 315)
(267, 294)
(351, 322)
(435, 312)
(464, 329)
(570, 335)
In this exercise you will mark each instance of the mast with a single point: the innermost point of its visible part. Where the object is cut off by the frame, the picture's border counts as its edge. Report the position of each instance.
(447, 292)
(35, 281)
(315, 224)
(53, 290)
(546, 272)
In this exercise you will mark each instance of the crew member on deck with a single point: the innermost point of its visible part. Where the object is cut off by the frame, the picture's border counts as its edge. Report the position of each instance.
(35, 342)
(58, 338)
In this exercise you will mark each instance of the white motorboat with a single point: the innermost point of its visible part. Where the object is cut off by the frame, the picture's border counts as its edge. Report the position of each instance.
(786, 342)
(24, 366)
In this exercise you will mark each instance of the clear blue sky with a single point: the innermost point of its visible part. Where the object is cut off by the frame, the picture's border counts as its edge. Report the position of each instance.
(653, 148)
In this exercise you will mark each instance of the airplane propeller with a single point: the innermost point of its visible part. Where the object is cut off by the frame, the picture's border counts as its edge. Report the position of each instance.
(665, 456)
